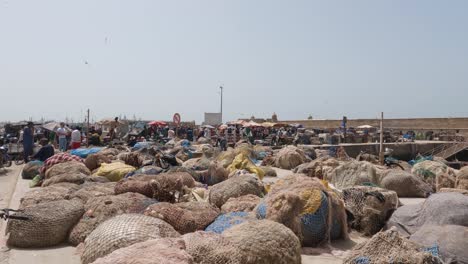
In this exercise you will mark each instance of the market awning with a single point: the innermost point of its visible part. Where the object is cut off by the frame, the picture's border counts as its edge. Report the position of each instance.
(52, 126)
(157, 123)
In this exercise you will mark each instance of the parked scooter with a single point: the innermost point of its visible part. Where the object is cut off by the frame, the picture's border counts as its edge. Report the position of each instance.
(5, 159)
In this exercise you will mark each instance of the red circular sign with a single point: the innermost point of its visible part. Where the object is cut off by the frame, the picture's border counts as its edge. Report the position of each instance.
(176, 118)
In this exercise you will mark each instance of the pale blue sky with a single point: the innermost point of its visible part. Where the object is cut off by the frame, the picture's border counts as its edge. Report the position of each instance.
(154, 58)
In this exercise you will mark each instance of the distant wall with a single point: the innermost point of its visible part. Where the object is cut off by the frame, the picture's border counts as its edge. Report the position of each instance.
(401, 124)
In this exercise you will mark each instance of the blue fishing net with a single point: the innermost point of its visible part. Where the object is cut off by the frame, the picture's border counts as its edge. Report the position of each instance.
(226, 221)
(314, 226)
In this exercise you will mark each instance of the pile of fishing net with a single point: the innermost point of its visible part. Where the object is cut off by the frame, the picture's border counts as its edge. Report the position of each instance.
(215, 173)
(61, 191)
(405, 184)
(228, 220)
(184, 217)
(252, 242)
(76, 178)
(235, 187)
(111, 153)
(31, 169)
(371, 207)
(91, 190)
(289, 158)
(123, 231)
(48, 224)
(390, 247)
(269, 171)
(319, 168)
(67, 168)
(154, 251)
(462, 179)
(449, 240)
(436, 174)
(94, 161)
(439, 209)
(165, 187)
(245, 203)
(353, 173)
(244, 162)
(99, 209)
(308, 207)
(133, 159)
(445, 190)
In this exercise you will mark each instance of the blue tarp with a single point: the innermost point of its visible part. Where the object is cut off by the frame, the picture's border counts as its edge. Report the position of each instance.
(83, 153)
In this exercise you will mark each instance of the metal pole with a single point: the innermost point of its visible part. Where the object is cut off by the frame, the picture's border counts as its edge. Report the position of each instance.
(381, 150)
(221, 87)
(87, 132)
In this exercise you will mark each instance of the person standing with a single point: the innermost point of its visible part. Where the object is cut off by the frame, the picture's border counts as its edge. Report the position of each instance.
(113, 126)
(75, 138)
(62, 135)
(28, 141)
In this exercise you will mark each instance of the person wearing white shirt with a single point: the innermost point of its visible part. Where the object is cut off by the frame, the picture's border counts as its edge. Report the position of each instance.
(62, 135)
(76, 138)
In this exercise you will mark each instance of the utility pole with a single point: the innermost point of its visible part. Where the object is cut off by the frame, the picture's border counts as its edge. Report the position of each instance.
(221, 88)
(381, 150)
(87, 131)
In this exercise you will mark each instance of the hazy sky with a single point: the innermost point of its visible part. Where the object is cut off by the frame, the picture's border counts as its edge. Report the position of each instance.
(153, 58)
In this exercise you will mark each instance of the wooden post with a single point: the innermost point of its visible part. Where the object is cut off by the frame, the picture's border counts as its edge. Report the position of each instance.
(87, 131)
(381, 150)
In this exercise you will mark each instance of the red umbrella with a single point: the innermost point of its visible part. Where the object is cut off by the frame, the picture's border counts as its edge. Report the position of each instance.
(157, 123)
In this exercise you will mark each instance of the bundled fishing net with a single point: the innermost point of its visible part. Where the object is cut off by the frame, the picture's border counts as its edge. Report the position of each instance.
(246, 203)
(243, 162)
(31, 169)
(184, 217)
(212, 248)
(449, 240)
(439, 209)
(133, 159)
(319, 168)
(91, 190)
(76, 178)
(306, 206)
(48, 224)
(265, 242)
(371, 207)
(114, 171)
(445, 190)
(67, 167)
(134, 185)
(234, 187)
(94, 161)
(111, 153)
(390, 247)
(436, 174)
(154, 251)
(228, 220)
(62, 191)
(462, 179)
(170, 187)
(352, 173)
(123, 231)
(269, 171)
(405, 184)
(289, 158)
(99, 209)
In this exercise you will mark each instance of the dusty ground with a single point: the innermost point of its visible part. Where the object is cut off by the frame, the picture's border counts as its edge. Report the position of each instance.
(12, 188)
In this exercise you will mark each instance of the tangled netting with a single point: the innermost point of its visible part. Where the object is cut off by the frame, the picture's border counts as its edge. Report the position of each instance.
(435, 173)
(99, 209)
(184, 217)
(371, 207)
(247, 243)
(67, 167)
(319, 168)
(48, 224)
(155, 251)
(390, 247)
(93, 189)
(228, 220)
(439, 209)
(405, 184)
(123, 231)
(246, 203)
(235, 187)
(305, 205)
(62, 191)
(290, 157)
